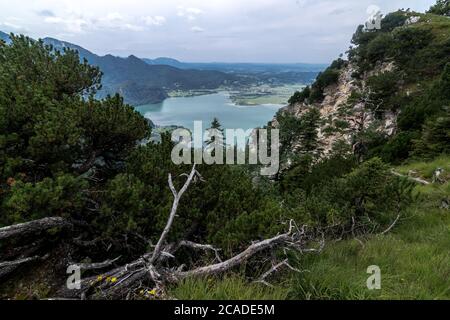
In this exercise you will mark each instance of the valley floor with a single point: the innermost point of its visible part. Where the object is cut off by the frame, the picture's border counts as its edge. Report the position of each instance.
(249, 95)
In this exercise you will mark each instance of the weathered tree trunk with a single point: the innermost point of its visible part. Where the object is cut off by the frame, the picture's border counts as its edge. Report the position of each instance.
(152, 270)
(238, 259)
(32, 227)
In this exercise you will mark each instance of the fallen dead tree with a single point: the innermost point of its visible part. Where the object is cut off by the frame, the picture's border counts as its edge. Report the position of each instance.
(32, 227)
(152, 270)
(29, 252)
(28, 255)
(8, 267)
(417, 180)
(18, 262)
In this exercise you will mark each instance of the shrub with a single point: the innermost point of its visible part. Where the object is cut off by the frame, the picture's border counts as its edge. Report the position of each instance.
(408, 41)
(324, 79)
(393, 20)
(379, 48)
(61, 196)
(384, 92)
(369, 194)
(435, 139)
(300, 96)
(442, 7)
(398, 148)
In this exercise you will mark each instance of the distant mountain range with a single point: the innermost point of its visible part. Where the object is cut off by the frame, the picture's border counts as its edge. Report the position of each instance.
(142, 81)
(4, 37)
(239, 67)
(137, 81)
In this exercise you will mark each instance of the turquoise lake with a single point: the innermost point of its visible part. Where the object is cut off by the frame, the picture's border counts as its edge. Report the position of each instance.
(185, 110)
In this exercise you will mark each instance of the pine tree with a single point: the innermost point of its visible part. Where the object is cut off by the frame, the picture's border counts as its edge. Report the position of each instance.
(309, 129)
(53, 131)
(215, 125)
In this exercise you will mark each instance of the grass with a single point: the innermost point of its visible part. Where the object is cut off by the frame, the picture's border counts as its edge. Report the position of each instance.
(414, 259)
(414, 262)
(231, 287)
(426, 169)
(439, 25)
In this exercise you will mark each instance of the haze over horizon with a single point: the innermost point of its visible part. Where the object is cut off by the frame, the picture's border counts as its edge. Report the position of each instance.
(263, 31)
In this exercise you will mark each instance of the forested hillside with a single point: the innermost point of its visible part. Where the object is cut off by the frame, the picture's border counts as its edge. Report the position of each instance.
(364, 181)
(139, 82)
(390, 99)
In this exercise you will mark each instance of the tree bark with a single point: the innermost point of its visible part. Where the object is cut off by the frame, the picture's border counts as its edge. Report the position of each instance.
(32, 227)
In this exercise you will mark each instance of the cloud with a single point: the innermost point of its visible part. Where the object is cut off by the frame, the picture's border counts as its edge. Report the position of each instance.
(338, 11)
(113, 17)
(195, 11)
(131, 27)
(189, 13)
(74, 23)
(301, 3)
(197, 29)
(115, 20)
(12, 24)
(45, 13)
(70, 24)
(233, 30)
(154, 21)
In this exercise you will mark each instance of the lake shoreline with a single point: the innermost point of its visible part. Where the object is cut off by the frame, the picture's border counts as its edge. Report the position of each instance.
(183, 111)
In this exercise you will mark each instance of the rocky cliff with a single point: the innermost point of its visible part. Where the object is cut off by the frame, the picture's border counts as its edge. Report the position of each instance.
(390, 84)
(337, 97)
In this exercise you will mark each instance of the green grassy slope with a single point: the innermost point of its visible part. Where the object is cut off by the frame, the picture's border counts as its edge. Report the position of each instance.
(414, 259)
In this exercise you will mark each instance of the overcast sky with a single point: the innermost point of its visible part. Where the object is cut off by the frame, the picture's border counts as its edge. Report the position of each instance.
(200, 30)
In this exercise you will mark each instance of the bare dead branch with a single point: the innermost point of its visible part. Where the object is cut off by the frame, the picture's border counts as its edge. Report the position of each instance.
(177, 196)
(8, 267)
(96, 265)
(205, 247)
(418, 180)
(238, 259)
(18, 262)
(274, 269)
(392, 225)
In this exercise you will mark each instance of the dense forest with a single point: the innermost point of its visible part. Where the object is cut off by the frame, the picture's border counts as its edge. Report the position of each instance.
(81, 184)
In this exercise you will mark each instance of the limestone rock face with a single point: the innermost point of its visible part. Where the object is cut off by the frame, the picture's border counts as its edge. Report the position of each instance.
(337, 96)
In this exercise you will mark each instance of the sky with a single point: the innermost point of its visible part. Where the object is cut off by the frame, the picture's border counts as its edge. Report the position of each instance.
(276, 31)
